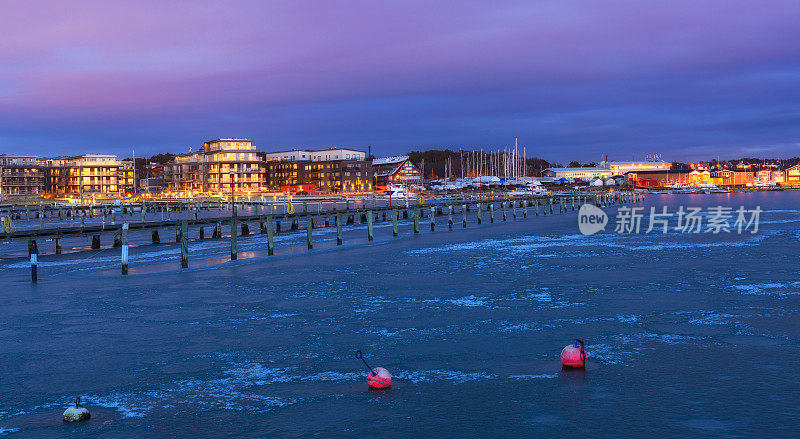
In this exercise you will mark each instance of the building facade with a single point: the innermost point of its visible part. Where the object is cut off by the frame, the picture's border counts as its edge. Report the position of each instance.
(620, 168)
(326, 171)
(224, 166)
(20, 175)
(396, 170)
(84, 175)
(573, 173)
(126, 177)
(793, 175)
(727, 177)
(658, 178)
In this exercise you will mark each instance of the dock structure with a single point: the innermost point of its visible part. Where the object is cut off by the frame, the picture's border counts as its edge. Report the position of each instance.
(268, 217)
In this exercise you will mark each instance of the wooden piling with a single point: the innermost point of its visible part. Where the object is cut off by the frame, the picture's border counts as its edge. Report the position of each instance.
(184, 244)
(95, 242)
(58, 244)
(33, 251)
(464, 216)
(394, 222)
(416, 220)
(309, 228)
(450, 217)
(125, 248)
(270, 241)
(370, 217)
(339, 237)
(480, 220)
(234, 236)
(432, 215)
(491, 212)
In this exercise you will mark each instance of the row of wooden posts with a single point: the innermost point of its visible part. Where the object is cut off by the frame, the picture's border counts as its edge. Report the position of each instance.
(269, 224)
(109, 212)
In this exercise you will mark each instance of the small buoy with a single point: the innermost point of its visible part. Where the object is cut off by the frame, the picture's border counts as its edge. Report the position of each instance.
(77, 413)
(377, 377)
(573, 356)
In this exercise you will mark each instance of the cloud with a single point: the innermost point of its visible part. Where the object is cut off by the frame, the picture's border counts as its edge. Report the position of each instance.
(570, 78)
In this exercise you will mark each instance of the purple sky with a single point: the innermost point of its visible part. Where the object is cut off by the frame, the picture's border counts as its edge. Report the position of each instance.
(571, 79)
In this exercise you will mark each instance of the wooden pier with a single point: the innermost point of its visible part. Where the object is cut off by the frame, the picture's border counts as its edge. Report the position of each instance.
(268, 218)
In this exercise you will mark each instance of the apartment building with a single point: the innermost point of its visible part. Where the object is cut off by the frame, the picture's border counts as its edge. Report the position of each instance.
(20, 175)
(326, 171)
(223, 166)
(83, 175)
(126, 177)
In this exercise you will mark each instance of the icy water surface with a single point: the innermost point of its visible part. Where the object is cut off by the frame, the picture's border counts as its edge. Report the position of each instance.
(687, 335)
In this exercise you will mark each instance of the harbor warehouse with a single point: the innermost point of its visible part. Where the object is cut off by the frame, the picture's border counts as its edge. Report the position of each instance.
(573, 173)
(658, 178)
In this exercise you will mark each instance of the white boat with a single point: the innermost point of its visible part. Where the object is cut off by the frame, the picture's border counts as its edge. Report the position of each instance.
(398, 192)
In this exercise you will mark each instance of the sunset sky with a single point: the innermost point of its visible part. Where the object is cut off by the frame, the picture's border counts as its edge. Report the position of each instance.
(571, 79)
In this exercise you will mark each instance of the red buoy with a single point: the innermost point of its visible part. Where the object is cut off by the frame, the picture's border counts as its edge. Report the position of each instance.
(379, 378)
(573, 356)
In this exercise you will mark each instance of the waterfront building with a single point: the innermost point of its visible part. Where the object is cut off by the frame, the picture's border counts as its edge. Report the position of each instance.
(573, 173)
(620, 168)
(699, 177)
(83, 175)
(20, 175)
(763, 176)
(325, 171)
(729, 177)
(397, 169)
(224, 166)
(793, 175)
(778, 176)
(54, 175)
(287, 156)
(152, 186)
(658, 178)
(700, 166)
(126, 176)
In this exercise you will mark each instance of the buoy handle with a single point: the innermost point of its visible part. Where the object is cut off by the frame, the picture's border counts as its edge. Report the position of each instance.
(360, 356)
(577, 342)
(77, 402)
